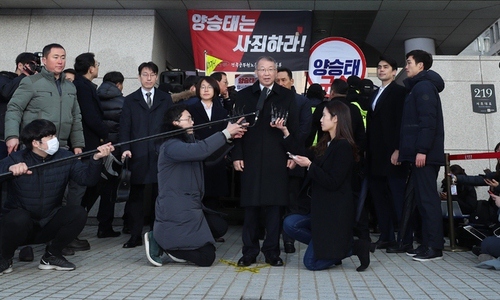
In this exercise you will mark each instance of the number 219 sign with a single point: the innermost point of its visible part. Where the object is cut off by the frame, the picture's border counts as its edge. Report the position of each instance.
(483, 98)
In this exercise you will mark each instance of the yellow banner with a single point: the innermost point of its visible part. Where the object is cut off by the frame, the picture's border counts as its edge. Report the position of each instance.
(211, 62)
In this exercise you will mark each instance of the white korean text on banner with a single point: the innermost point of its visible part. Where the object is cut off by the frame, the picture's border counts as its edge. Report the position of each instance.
(333, 58)
(235, 39)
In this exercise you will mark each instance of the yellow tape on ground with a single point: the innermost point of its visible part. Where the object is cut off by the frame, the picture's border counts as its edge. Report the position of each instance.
(255, 269)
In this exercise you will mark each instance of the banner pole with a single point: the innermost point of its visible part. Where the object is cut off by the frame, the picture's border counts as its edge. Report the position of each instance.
(205, 56)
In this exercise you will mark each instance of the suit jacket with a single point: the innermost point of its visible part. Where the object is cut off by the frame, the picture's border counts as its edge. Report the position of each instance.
(215, 175)
(264, 180)
(95, 130)
(383, 130)
(137, 121)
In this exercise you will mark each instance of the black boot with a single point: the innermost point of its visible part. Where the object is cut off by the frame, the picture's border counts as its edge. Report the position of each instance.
(361, 248)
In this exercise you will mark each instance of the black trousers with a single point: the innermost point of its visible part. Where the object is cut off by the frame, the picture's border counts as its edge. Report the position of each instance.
(428, 204)
(20, 229)
(107, 190)
(134, 209)
(204, 256)
(250, 234)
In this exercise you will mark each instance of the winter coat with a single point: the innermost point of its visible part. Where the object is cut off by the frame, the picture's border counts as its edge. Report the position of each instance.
(37, 97)
(137, 121)
(216, 181)
(264, 179)
(180, 223)
(41, 193)
(422, 128)
(111, 100)
(95, 130)
(383, 129)
(331, 203)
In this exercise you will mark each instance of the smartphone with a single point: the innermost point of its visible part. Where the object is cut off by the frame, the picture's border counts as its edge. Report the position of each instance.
(290, 155)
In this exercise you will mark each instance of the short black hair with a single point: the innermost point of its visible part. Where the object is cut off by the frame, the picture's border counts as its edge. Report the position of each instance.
(35, 131)
(83, 62)
(339, 86)
(46, 50)
(190, 81)
(288, 71)
(70, 71)
(26, 57)
(218, 75)
(150, 65)
(421, 56)
(114, 77)
(392, 62)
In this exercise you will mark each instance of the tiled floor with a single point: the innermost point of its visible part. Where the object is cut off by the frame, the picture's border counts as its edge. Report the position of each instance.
(108, 271)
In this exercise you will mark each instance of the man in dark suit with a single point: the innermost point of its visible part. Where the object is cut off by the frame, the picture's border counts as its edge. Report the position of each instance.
(386, 176)
(142, 115)
(262, 159)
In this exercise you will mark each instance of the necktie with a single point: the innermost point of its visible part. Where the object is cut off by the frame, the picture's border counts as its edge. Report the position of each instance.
(263, 95)
(149, 101)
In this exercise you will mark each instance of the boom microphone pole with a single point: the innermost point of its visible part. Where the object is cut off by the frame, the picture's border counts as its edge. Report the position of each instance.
(150, 137)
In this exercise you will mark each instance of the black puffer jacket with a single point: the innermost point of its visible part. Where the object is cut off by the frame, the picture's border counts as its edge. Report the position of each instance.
(422, 129)
(111, 103)
(41, 193)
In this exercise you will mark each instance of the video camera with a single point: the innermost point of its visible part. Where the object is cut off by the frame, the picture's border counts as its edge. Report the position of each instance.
(34, 67)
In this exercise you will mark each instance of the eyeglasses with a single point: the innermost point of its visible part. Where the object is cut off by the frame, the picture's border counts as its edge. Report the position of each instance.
(148, 75)
(97, 64)
(206, 87)
(187, 119)
(270, 70)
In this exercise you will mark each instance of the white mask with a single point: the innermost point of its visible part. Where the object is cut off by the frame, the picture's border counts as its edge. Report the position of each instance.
(52, 146)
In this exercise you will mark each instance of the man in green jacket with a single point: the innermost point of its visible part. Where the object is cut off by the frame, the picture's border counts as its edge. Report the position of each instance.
(46, 95)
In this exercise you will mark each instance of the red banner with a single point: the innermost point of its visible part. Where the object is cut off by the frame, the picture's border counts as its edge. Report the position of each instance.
(233, 40)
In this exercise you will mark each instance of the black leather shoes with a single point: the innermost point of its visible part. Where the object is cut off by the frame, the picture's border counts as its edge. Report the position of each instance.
(26, 254)
(399, 248)
(289, 247)
(361, 248)
(274, 261)
(107, 233)
(384, 245)
(125, 229)
(246, 261)
(79, 245)
(133, 242)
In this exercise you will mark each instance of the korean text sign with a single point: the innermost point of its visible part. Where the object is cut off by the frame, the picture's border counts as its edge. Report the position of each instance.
(238, 38)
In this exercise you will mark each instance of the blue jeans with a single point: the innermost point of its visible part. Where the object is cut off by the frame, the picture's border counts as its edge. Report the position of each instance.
(299, 227)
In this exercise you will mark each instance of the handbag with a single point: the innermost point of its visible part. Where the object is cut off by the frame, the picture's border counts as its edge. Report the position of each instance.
(123, 189)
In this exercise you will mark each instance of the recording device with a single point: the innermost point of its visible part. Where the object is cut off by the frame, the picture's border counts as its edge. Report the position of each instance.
(290, 155)
(34, 67)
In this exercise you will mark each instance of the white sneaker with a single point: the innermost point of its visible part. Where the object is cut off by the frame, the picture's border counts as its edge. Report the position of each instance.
(179, 260)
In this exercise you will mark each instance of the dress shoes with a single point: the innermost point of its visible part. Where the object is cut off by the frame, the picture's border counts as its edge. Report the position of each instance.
(274, 261)
(399, 248)
(384, 244)
(246, 261)
(289, 247)
(361, 248)
(125, 229)
(133, 242)
(67, 251)
(107, 233)
(26, 254)
(79, 245)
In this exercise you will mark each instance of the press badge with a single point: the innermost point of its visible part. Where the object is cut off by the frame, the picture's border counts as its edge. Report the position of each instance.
(453, 189)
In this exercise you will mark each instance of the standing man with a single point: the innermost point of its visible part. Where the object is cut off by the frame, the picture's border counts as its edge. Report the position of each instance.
(297, 174)
(386, 180)
(262, 159)
(422, 145)
(142, 115)
(49, 96)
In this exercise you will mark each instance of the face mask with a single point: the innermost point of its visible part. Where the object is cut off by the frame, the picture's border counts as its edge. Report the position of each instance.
(52, 146)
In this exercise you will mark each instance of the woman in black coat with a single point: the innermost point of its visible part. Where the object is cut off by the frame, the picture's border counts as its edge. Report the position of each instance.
(209, 109)
(328, 208)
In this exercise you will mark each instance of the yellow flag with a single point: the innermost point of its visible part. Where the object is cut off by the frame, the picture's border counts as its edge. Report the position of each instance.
(211, 62)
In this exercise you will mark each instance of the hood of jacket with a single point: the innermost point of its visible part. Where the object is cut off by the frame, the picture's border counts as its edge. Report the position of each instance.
(108, 90)
(426, 75)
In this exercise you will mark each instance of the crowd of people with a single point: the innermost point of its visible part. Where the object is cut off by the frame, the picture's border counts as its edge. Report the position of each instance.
(306, 163)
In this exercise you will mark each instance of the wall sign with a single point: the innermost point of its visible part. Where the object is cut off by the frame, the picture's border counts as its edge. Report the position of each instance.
(483, 98)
